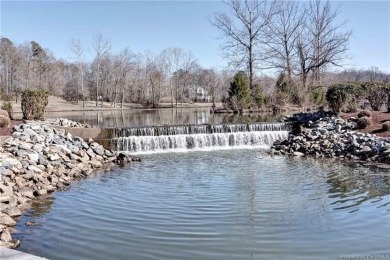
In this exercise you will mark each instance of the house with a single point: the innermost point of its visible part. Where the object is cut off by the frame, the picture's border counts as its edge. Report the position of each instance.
(201, 95)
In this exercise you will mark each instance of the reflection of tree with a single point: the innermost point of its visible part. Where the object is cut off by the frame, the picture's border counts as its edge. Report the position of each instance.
(352, 188)
(149, 117)
(248, 118)
(41, 206)
(246, 184)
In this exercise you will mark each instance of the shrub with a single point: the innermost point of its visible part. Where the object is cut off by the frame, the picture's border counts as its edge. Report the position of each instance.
(386, 126)
(363, 122)
(7, 106)
(376, 95)
(366, 113)
(3, 113)
(4, 121)
(319, 97)
(34, 103)
(282, 83)
(259, 96)
(344, 97)
(386, 90)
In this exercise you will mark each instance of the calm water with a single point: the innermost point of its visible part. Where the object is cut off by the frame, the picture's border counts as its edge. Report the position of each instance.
(143, 117)
(215, 205)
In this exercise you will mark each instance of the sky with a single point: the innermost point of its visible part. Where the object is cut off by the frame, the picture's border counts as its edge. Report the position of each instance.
(156, 25)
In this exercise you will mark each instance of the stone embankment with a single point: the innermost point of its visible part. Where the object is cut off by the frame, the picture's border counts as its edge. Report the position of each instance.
(37, 160)
(64, 122)
(323, 135)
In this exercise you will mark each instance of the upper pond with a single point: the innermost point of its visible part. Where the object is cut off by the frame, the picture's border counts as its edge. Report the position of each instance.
(168, 116)
(231, 204)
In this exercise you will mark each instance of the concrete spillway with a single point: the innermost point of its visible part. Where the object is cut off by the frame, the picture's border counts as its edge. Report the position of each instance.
(198, 137)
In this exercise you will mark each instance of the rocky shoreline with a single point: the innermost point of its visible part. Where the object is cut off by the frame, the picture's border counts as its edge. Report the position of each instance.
(322, 134)
(38, 160)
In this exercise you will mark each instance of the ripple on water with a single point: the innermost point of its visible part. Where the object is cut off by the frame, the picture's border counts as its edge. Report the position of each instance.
(215, 205)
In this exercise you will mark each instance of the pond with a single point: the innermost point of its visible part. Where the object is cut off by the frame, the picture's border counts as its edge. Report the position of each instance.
(234, 204)
(168, 116)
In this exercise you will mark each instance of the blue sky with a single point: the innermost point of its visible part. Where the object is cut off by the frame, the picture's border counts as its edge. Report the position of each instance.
(155, 25)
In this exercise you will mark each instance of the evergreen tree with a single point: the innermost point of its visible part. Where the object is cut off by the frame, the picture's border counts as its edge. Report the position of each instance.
(282, 83)
(239, 92)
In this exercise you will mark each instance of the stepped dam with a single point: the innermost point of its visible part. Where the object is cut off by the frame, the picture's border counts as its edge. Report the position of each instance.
(181, 138)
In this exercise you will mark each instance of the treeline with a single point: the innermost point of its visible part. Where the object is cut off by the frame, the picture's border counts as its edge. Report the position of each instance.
(300, 41)
(173, 75)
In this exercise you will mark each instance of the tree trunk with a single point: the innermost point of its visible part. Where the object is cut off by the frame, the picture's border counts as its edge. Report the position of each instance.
(97, 85)
(82, 87)
(122, 95)
(171, 94)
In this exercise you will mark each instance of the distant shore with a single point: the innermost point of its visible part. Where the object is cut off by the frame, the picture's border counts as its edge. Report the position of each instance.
(57, 104)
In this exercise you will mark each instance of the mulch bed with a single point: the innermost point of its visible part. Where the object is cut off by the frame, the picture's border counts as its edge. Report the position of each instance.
(8, 130)
(378, 118)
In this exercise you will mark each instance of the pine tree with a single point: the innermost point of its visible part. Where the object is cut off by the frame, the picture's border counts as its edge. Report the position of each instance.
(239, 92)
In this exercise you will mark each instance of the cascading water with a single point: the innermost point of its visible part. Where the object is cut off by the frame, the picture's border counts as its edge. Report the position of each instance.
(198, 137)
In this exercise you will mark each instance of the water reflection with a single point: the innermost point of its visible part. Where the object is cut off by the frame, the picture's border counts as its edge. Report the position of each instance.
(352, 188)
(41, 206)
(351, 184)
(148, 117)
(229, 204)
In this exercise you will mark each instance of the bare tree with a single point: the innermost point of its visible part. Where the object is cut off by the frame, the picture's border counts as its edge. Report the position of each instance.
(212, 82)
(283, 35)
(244, 31)
(127, 62)
(8, 64)
(77, 49)
(101, 46)
(328, 43)
(168, 66)
(178, 60)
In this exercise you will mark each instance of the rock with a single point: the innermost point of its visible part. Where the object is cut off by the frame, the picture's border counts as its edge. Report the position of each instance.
(7, 173)
(330, 136)
(54, 157)
(32, 223)
(5, 244)
(22, 200)
(42, 160)
(298, 154)
(40, 192)
(25, 146)
(38, 148)
(12, 211)
(34, 169)
(99, 151)
(33, 156)
(13, 201)
(6, 190)
(95, 164)
(6, 220)
(14, 243)
(90, 153)
(26, 192)
(5, 235)
(4, 198)
(9, 162)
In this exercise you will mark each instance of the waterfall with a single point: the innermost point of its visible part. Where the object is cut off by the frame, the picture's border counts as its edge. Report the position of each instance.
(199, 137)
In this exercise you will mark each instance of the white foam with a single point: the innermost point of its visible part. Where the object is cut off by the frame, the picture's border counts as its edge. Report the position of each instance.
(199, 142)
